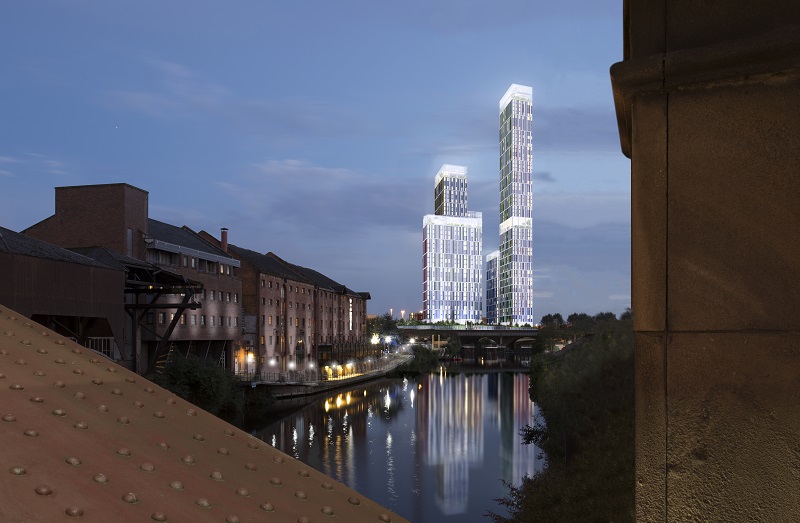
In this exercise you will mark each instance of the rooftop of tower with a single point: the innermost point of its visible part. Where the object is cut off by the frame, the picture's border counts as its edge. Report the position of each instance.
(516, 91)
(453, 171)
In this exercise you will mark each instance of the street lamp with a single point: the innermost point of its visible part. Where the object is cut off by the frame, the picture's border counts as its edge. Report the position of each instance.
(402, 314)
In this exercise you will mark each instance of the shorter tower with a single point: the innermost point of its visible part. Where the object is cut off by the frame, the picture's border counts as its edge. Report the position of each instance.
(452, 258)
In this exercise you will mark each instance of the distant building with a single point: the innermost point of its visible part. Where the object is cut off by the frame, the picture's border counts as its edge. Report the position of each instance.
(452, 252)
(491, 286)
(515, 261)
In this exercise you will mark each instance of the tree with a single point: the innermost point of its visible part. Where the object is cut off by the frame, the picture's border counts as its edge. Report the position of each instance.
(453, 346)
(552, 319)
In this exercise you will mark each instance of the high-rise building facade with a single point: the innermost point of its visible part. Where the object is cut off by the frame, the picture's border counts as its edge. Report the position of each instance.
(515, 262)
(452, 257)
(491, 286)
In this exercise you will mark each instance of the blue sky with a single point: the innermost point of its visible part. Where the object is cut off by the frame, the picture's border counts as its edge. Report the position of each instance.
(314, 129)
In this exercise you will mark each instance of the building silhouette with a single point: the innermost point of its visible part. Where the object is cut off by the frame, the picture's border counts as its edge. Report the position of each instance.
(515, 261)
(452, 252)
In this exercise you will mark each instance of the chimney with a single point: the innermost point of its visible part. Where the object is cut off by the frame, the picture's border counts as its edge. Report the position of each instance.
(224, 239)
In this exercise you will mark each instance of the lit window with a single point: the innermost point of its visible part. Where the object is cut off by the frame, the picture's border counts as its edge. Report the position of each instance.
(183, 319)
(212, 295)
(270, 319)
(228, 297)
(162, 318)
(194, 319)
(262, 340)
(235, 297)
(202, 320)
(236, 321)
(213, 320)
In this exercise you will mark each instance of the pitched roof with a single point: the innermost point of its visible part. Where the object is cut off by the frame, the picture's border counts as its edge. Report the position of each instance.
(18, 243)
(94, 441)
(267, 264)
(183, 236)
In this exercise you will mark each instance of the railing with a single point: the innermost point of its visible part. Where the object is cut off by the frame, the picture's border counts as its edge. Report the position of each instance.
(433, 326)
(105, 345)
(314, 376)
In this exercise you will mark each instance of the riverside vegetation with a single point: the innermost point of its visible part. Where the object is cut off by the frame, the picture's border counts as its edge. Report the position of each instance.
(584, 425)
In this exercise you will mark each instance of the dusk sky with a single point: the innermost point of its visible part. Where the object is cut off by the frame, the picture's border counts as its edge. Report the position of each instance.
(314, 129)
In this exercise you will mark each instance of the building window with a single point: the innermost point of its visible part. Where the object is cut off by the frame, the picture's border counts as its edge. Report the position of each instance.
(235, 297)
(290, 305)
(211, 293)
(183, 319)
(228, 270)
(270, 319)
(263, 320)
(213, 320)
(262, 284)
(228, 297)
(194, 263)
(222, 268)
(270, 302)
(262, 340)
(236, 321)
(270, 285)
(202, 320)
(194, 319)
(229, 321)
(264, 301)
(270, 340)
(221, 321)
(149, 318)
(162, 318)
(297, 322)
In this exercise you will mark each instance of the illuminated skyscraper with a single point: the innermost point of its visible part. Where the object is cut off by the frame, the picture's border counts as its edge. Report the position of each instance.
(515, 263)
(452, 258)
(491, 286)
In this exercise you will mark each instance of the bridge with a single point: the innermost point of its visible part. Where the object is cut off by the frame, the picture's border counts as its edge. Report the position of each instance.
(510, 338)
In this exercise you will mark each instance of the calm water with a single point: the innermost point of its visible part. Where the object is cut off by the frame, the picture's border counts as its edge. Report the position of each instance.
(433, 449)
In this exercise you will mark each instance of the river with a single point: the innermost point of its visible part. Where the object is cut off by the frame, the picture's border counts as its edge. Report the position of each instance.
(433, 448)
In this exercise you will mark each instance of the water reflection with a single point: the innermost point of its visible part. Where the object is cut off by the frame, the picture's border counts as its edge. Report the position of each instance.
(431, 449)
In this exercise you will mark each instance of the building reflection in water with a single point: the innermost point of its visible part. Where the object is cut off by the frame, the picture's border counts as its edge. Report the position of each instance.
(431, 449)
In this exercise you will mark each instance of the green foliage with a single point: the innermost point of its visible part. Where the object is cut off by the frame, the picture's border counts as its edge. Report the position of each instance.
(552, 319)
(205, 384)
(453, 346)
(585, 428)
(425, 360)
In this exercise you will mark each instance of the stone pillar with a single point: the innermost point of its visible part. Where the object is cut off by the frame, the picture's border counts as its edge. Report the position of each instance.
(708, 106)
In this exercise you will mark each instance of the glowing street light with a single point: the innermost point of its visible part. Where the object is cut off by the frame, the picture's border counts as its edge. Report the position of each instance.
(402, 314)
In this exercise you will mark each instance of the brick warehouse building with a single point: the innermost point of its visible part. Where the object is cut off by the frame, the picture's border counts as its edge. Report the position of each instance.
(196, 308)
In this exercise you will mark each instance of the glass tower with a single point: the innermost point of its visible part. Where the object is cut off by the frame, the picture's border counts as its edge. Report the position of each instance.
(452, 257)
(515, 263)
(491, 286)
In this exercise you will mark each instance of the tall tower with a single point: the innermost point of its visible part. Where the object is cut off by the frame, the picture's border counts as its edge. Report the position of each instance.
(515, 263)
(452, 243)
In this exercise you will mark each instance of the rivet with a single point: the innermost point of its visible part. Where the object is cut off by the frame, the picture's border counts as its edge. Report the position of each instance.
(124, 452)
(102, 408)
(16, 386)
(25, 342)
(41, 350)
(74, 512)
(72, 460)
(191, 412)
(9, 418)
(18, 471)
(177, 485)
(116, 392)
(243, 492)
(77, 351)
(199, 437)
(45, 333)
(267, 507)
(31, 432)
(2, 376)
(303, 473)
(300, 495)
(80, 395)
(276, 481)
(228, 432)
(189, 459)
(4, 352)
(278, 459)
(223, 451)
(171, 401)
(385, 518)
(60, 384)
(130, 380)
(328, 511)
(59, 342)
(232, 519)
(78, 372)
(138, 404)
(158, 516)
(7, 333)
(164, 445)
(97, 381)
(60, 361)
(327, 486)
(130, 497)
(216, 476)
(159, 415)
(39, 373)
(303, 519)
(100, 478)
(353, 500)
(123, 420)
(60, 413)
(111, 369)
(43, 490)
(21, 362)
(27, 324)
(253, 445)
(94, 360)
(251, 467)
(81, 425)
(203, 502)
(147, 467)
(149, 390)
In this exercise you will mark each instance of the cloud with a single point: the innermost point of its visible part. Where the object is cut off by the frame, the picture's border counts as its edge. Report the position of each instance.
(9, 159)
(543, 176)
(5, 173)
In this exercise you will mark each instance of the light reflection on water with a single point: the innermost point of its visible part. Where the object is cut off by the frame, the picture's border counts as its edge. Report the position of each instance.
(438, 449)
